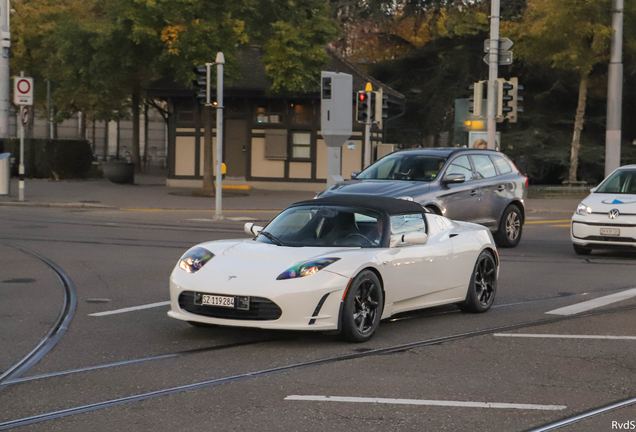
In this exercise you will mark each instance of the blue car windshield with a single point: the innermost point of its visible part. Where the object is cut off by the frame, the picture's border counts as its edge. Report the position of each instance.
(324, 226)
(413, 167)
(621, 182)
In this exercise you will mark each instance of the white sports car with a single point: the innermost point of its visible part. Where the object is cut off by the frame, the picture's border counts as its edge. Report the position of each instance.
(337, 263)
(607, 217)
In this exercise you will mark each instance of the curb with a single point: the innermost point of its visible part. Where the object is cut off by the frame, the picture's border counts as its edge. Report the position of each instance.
(59, 205)
(548, 210)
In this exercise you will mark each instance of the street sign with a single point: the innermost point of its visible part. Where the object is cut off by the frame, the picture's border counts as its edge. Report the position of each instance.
(24, 115)
(505, 58)
(23, 90)
(504, 45)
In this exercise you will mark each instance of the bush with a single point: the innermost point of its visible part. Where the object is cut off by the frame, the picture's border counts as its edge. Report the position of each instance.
(49, 158)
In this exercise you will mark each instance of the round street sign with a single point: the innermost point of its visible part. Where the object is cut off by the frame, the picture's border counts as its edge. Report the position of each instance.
(23, 86)
(23, 90)
(24, 115)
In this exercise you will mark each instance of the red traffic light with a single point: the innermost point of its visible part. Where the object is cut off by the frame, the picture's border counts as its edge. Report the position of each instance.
(362, 97)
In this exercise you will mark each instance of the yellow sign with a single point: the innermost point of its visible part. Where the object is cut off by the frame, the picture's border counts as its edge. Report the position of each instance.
(368, 87)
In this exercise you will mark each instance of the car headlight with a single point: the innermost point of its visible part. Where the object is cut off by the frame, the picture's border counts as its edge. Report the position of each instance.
(306, 268)
(194, 259)
(583, 210)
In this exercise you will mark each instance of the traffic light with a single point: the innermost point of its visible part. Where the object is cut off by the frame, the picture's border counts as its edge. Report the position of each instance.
(476, 98)
(381, 107)
(202, 82)
(516, 98)
(372, 102)
(504, 99)
(362, 105)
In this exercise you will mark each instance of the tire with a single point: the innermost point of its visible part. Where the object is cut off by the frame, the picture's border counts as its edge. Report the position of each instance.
(510, 228)
(482, 288)
(362, 308)
(580, 250)
(200, 324)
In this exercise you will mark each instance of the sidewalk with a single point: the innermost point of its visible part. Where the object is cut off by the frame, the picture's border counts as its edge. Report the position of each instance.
(151, 192)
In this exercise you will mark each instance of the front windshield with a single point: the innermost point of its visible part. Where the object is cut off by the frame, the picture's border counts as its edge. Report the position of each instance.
(621, 182)
(405, 166)
(321, 226)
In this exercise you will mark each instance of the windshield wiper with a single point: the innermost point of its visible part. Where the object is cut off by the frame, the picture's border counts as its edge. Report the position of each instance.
(273, 238)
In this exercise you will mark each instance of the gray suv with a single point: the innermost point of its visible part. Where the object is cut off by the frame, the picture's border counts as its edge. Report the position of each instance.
(481, 186)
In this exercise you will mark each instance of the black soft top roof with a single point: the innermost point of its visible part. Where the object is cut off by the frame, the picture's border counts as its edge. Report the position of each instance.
(383, 204)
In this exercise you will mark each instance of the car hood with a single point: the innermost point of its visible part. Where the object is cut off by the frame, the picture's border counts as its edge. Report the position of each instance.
(248, 257)
(388, 188)
(602, 202)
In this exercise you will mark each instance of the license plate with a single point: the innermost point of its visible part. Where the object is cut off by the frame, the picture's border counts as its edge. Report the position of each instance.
(213, 300)
(610, 231)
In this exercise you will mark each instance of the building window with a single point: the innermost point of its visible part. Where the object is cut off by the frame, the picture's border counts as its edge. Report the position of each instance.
(301, 145)
(265, 115)
(302, 113)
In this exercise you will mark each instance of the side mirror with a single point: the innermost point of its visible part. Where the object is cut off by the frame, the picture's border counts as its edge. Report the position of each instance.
(414, 238)
(354, 175)
(252, 229)
(593, 189)
(454, 178)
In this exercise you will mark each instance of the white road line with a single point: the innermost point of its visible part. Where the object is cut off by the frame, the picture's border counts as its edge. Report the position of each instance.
(426, 402)
(557, 336)
(593, 304)
(130, 309)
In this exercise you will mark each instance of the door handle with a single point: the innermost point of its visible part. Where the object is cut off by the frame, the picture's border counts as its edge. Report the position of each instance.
(501, 188)
(473, 192)
(453, 235)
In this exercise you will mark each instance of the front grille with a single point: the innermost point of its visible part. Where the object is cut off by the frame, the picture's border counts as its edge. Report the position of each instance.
(261, 309)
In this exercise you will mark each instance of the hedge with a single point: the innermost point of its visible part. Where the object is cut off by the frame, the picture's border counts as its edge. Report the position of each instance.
(50, 158)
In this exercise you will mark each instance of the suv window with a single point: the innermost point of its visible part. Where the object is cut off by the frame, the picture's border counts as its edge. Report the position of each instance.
(461, 165)
(502, 165)
(484, 166)
(407, 223)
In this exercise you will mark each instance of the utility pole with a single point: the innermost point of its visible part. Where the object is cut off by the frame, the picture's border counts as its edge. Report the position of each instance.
(5, 75)
(48, 109)
(220, 61)
(367, 128)
(615, 93)
(493, 65)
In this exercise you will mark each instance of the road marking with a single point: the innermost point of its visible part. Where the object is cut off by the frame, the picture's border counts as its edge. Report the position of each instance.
(426, 402)
(546, 221)
(130, 309)
(561, 225)
(557, 336)
(595, 303)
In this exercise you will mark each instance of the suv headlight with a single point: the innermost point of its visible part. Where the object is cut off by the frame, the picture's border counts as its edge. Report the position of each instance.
(194, 259)
(583, 210)
(306, 268)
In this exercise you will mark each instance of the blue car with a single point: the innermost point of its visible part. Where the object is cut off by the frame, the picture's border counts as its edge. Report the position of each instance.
(480, 186)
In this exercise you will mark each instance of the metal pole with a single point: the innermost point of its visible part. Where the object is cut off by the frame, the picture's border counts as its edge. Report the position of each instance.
(48, 109)
(615, 93)
(493, 64)
(367, 133)
(21, 168)
(220, 61)
(4, 69)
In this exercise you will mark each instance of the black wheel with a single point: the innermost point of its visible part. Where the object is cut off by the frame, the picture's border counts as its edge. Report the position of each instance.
(510, 228)
(483, 285)
(580, 250)
(362, 307)
(200, 324)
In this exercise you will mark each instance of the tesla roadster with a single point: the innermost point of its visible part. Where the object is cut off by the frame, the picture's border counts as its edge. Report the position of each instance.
(339, 263)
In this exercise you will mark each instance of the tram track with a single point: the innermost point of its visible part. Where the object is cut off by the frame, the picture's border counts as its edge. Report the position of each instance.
(303, 365)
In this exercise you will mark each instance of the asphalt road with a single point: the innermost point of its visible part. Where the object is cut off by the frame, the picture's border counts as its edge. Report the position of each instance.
(515, 368)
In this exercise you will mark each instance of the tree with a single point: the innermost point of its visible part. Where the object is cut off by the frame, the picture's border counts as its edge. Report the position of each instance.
(569, 35)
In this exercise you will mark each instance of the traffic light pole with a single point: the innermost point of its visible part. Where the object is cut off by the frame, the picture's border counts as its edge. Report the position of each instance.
(493, 64)
(367, 133)
(220, 61)
(615, 93)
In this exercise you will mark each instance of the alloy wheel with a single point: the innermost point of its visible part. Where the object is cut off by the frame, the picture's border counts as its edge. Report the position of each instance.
(365, 306)
(484, 280)
(513, 225)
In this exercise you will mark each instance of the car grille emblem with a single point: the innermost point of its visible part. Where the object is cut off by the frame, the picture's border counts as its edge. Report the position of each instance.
(613, 213)
(229, 278)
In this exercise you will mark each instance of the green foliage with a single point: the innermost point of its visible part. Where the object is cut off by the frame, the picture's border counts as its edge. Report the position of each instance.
(58, 159)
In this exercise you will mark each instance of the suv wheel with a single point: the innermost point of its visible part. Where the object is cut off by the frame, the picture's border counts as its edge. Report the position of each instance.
(510, 228)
